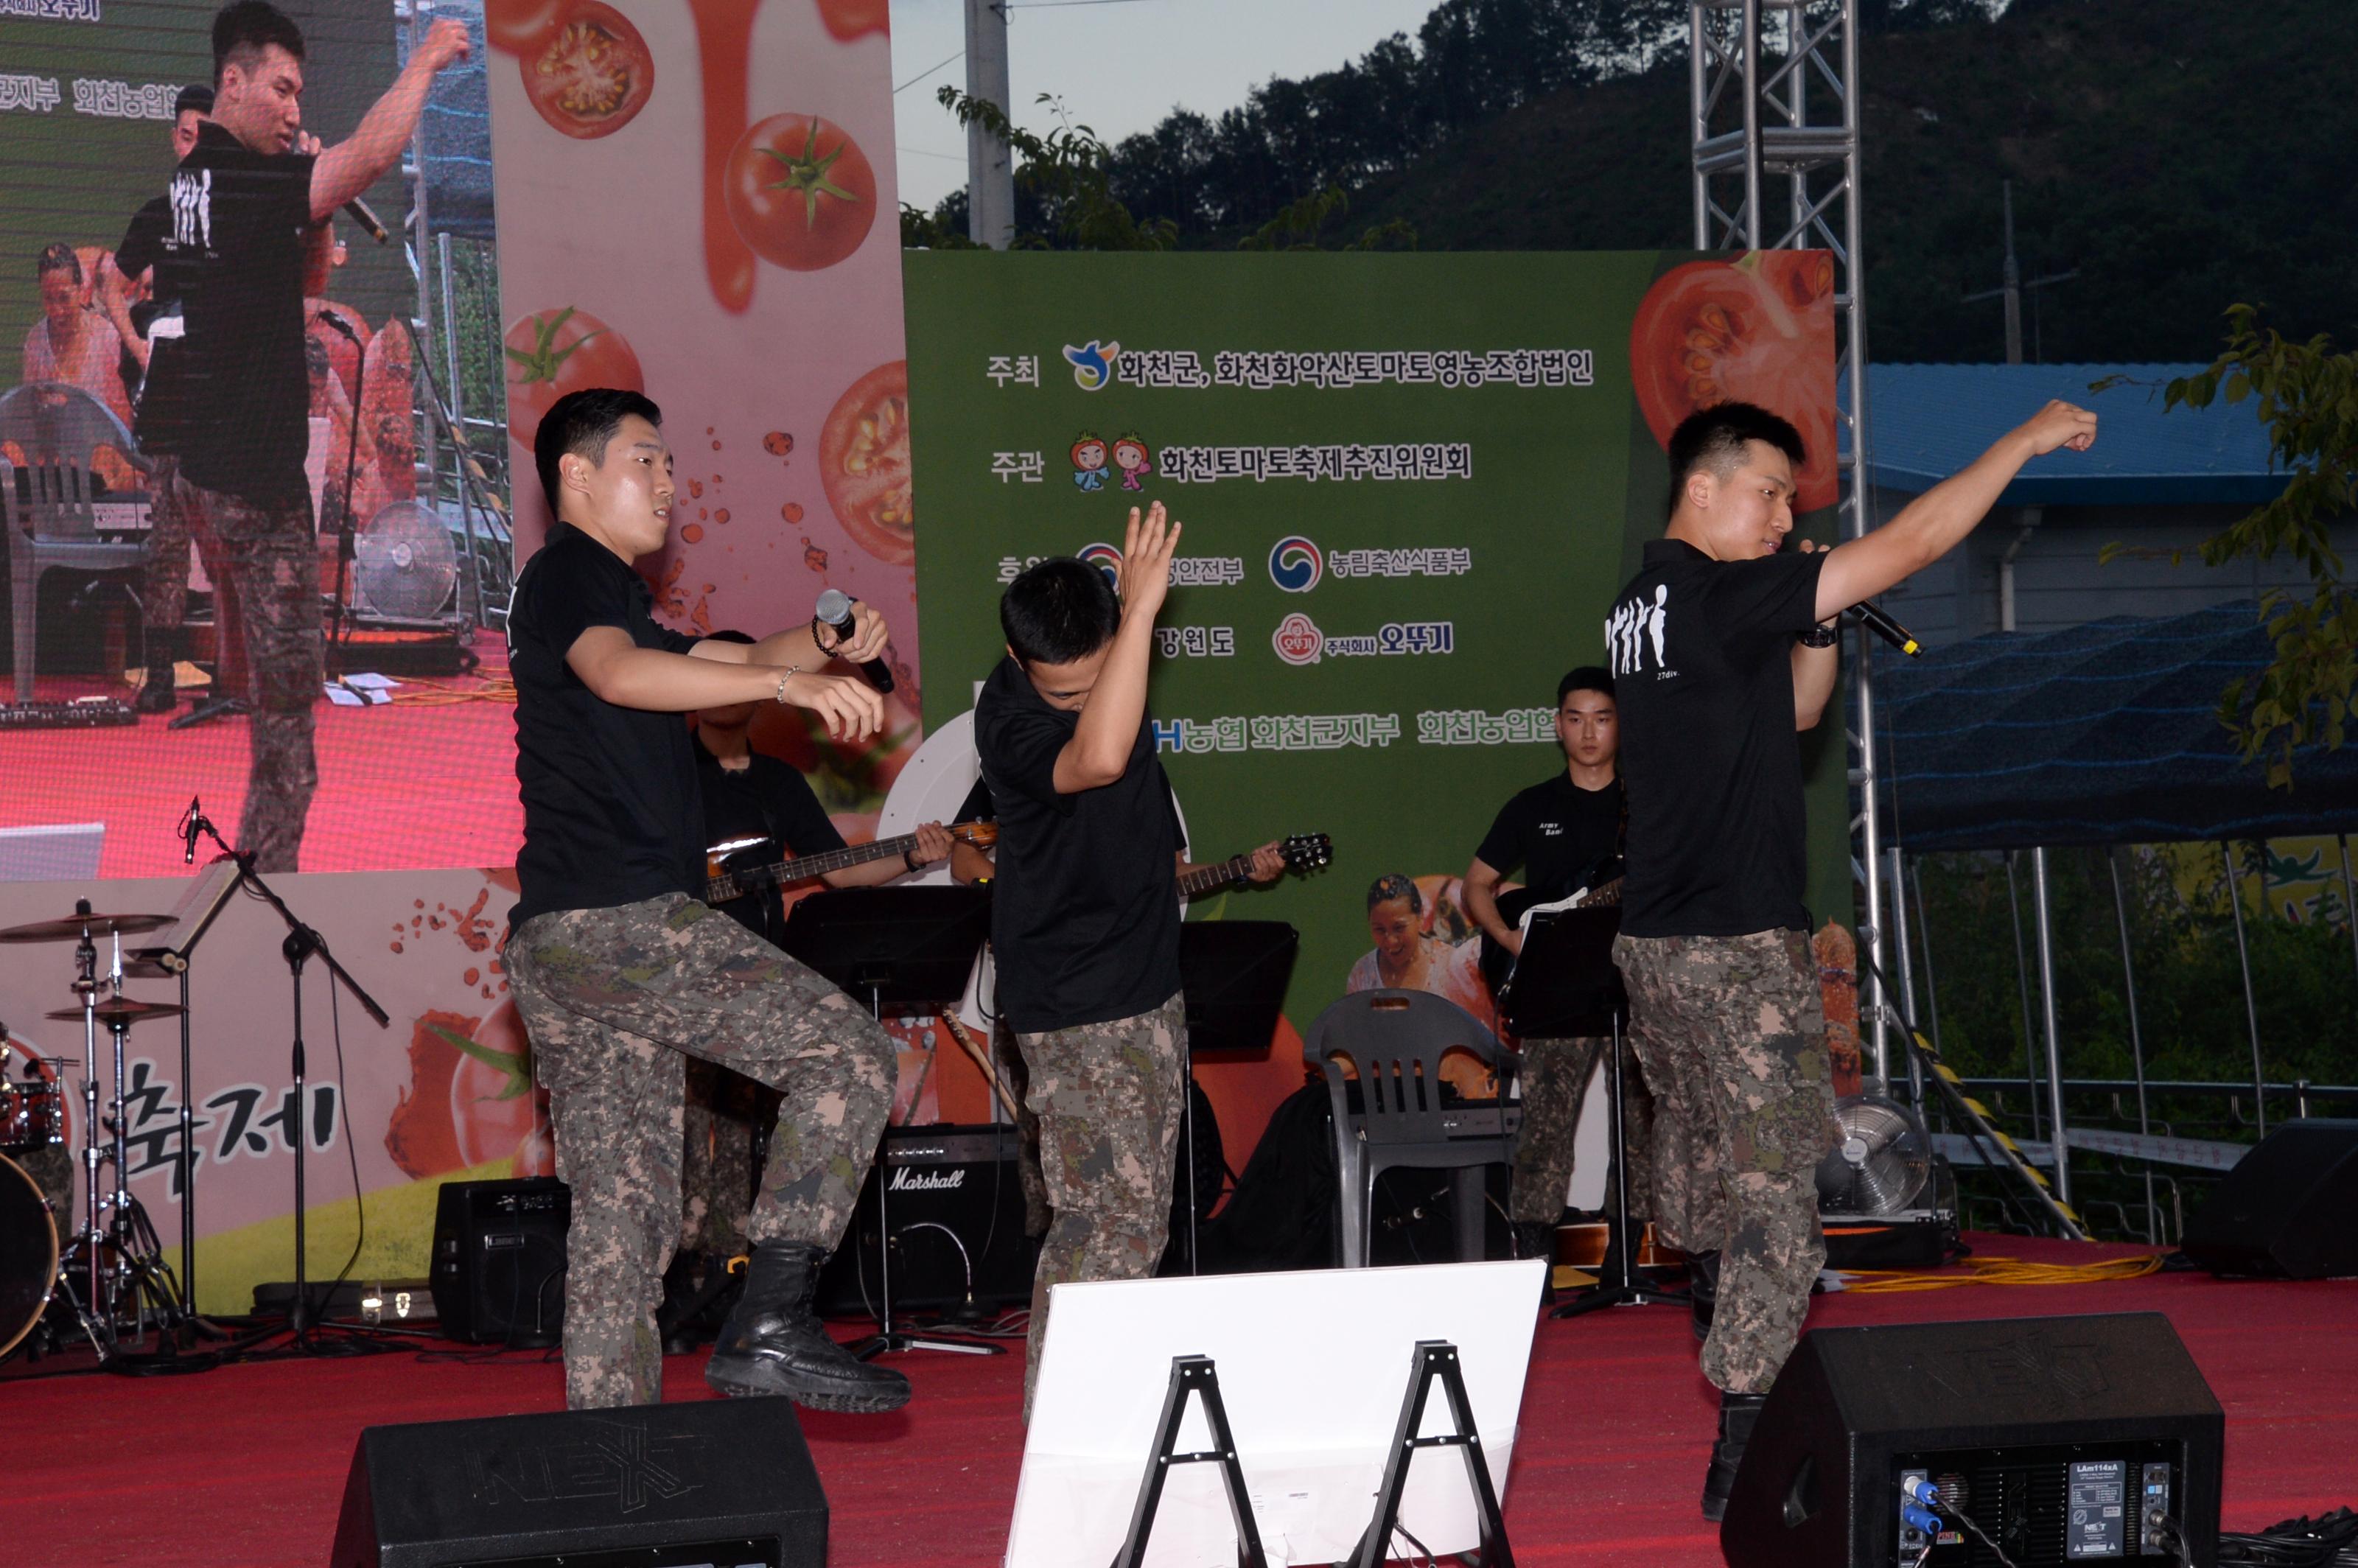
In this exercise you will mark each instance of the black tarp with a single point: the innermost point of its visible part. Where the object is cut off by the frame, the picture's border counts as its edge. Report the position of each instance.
(2105, 734)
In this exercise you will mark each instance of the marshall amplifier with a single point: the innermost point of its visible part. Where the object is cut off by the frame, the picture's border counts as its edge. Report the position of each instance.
(499, 1259)
(955, 1204)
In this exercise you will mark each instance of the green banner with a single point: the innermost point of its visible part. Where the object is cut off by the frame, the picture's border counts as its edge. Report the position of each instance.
(1411, 486)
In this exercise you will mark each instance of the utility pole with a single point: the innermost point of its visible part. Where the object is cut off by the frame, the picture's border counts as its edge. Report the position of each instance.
(2011, 285)
(989, 163)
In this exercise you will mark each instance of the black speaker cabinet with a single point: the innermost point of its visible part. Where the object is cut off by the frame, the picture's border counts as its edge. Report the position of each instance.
(2286, 1209)
(716, 1483)
(956, 1205)
(499, 1258)
(2062, 1438)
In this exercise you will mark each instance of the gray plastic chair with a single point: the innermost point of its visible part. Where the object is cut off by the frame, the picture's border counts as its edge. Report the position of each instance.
(1395, 1040)
(59, 428)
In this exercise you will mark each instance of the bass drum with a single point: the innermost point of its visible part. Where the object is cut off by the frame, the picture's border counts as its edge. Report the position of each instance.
(28, 1254)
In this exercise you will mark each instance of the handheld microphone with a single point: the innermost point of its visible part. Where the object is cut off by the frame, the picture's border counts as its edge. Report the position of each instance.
(337, 324)
(1890, 631)
(190, 826)
(359, 212)
(834, 613)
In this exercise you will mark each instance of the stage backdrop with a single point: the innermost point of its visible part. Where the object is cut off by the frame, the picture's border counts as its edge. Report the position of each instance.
(1411, 484)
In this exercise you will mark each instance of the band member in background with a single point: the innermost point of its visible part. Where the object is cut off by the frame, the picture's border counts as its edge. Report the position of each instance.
(620, 974)
(73, 342)
(748, 795)
(251, 205)
(1564, 834)
(127, 292)
(1084, 908)
(1722, 650)
(1406, 957)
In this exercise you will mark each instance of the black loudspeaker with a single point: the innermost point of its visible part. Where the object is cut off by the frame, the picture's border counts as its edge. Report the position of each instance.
(499, 1259)
(955, 1204)
(716, 1484)
(2063, 1438)
(2285, 1210)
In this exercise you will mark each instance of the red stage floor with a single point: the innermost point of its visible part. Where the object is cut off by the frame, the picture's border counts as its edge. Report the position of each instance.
(246, 1465)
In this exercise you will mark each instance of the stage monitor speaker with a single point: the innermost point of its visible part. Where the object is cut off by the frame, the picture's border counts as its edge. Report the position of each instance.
(712, 1483)
(499, 1259)
(2065, 1438)
(955, 1204)
(2285, 1210)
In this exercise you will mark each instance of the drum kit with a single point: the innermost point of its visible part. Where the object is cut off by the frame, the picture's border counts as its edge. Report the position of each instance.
(107, 1276)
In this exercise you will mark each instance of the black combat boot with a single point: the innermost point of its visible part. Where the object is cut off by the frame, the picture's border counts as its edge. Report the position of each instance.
(158, 693)
(1703, 1288)
(1536, 1239)
(1736, 1414)
(775, 1344)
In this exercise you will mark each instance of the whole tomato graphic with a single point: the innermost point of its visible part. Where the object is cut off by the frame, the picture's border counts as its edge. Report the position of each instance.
(800, 191)
(552, 353)
(1756, 330)
(848, 19)
(591, 74)
(863, 456)
(519, 26)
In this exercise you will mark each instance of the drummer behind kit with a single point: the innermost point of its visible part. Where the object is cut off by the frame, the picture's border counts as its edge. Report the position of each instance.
(106, 1280)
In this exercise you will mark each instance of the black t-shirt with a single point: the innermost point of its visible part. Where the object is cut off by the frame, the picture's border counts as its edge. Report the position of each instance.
(611, 810)
(142, 247)
(1085, 914)
(765, 799)
(233, 396)
(1557, 832)
(1702, 673)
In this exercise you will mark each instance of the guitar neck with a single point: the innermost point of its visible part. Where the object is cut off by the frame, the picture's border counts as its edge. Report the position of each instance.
(734, 884)
(1211, 879)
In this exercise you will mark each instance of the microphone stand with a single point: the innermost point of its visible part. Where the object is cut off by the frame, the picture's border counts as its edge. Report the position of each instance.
(302, 942)
(346, 524)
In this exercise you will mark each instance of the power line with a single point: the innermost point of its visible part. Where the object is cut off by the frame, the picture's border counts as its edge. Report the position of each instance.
(1060, 5)
(927, 72)
(920, 152)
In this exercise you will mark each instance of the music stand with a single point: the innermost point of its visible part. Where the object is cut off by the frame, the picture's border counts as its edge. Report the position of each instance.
(1565, 985)
(1233, 974)
(904, 947)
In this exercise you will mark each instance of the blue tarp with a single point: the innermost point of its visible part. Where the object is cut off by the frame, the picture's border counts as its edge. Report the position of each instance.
(2105, 734)
(1927, 421)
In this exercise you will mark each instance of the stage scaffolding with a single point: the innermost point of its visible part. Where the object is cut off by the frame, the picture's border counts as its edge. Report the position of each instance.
(1774, 92)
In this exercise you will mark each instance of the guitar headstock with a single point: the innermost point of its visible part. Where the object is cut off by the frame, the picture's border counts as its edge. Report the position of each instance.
(1307, 851)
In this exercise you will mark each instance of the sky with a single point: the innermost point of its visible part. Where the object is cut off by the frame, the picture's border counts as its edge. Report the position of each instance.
(1119, 65)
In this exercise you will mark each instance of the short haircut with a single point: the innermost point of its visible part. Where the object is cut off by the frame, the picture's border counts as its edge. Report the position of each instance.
(195, 96)
(1714, 439)
(58, 257)
(582, 423)
(1060, 609)
(1587, 677)
(244, 28)
(1392, 885)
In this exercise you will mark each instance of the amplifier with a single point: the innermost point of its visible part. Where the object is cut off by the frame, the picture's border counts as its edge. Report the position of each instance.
(955, 1203)
(499, 1259)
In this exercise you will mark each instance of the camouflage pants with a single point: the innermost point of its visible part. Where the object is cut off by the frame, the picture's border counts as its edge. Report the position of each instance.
(1008, 1058)
(723, 1114)
(269, 559)
(1109, 1097)
(1731, 1033)
(1555, 1074)
(164, 585)
(616, 1001)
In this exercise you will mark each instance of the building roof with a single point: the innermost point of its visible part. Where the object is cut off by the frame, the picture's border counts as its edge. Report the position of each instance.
(1927, 421)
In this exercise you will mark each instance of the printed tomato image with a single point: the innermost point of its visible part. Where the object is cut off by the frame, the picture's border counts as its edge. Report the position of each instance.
(519, 26)
(863, 463)
(800, 191)
(724, 41)
(471, 1099)
(591, 73)
(849, 19)
(1756, 330)
(552, 353)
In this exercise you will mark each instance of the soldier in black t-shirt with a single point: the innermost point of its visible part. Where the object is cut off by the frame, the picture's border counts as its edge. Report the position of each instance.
(1563, 833)
(1085, 907)
(1722, 649)
(621, 973)
(250, 207)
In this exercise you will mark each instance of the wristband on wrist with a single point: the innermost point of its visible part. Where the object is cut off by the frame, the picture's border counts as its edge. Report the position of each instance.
(1819, 637)
(909, 859)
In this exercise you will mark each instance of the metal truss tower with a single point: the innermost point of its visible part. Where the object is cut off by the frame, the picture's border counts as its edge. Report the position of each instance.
(1777, 110)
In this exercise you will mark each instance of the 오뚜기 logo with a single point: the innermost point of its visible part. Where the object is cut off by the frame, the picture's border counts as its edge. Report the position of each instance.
(1298, 640)
(1295, 564)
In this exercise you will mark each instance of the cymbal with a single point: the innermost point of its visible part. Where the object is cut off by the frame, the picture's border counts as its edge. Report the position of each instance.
(120, 1010)
(73, 926)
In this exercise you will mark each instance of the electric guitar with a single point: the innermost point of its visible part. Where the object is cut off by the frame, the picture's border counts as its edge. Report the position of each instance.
(723, 882)
(1496, 962)
(1302, 852)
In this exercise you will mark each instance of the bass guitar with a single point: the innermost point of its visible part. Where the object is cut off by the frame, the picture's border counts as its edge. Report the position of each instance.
(1302, 852)
(1496, 962)
(724, 881)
